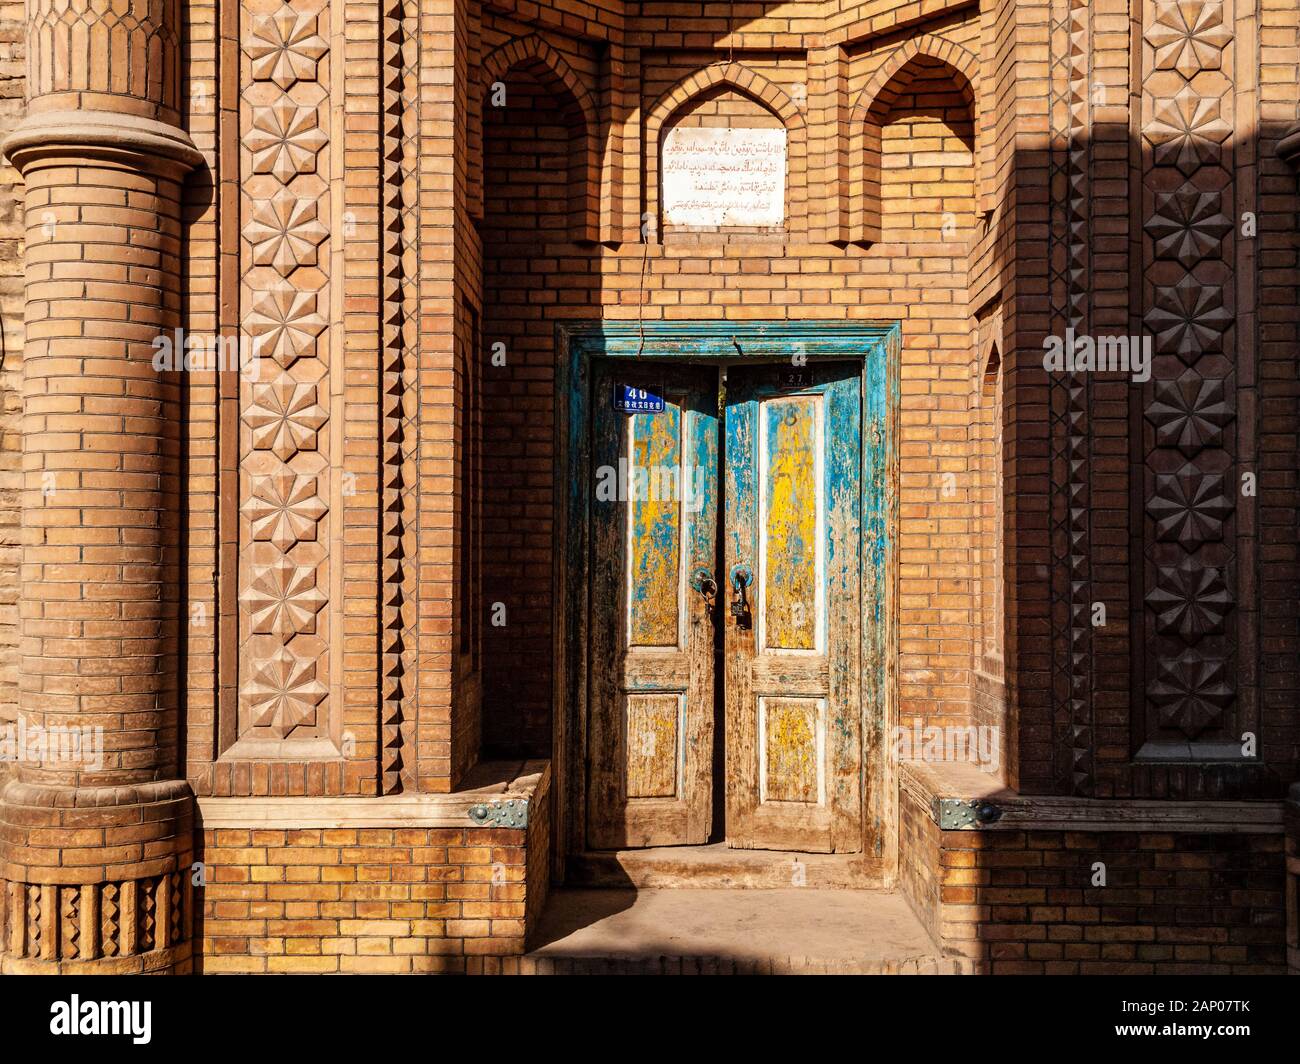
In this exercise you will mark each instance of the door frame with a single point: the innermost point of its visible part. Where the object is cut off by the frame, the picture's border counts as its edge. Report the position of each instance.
(877, 345)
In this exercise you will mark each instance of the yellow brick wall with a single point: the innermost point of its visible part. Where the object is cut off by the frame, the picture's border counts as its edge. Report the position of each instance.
(403, 900)
(918, 276)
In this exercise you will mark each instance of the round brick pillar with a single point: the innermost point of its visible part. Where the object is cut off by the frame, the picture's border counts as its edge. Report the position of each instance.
(96, 825)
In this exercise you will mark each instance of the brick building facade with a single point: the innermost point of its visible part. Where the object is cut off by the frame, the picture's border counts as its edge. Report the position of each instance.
(299, 423)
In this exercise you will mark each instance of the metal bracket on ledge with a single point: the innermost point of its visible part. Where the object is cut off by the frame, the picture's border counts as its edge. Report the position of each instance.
(512, 813)
(953, 814)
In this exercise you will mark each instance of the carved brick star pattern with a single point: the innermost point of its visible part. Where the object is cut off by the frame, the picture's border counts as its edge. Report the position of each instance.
(284, 139)
(1188, 318)
(1189, 507)
(1187, 130)
(283, 509)
(284, 416)
(284, 324)
(1191, 692)
(1190, 600)
(284, 232)
(284, 47)
(1189, 36)
(283, 599)
(284, 692)
(1190, 413)
(1188, 225)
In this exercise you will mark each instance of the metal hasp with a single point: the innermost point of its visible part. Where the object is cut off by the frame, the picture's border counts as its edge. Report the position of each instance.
(953, 814)
(512, 813)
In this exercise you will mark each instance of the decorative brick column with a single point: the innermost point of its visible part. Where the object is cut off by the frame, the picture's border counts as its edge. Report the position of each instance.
(1293, 881)
(96, 841)
(1289, 149)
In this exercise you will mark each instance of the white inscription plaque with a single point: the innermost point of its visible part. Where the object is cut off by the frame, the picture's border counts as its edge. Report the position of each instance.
(716, 177)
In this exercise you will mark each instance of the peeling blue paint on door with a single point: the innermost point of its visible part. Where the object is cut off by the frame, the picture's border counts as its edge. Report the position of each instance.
(875, 347)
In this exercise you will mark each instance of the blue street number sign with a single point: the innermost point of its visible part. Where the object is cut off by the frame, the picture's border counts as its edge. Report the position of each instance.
(633, 399)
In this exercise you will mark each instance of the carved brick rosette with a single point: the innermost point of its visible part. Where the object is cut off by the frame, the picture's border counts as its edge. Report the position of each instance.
(1190, 477)
(286, 443)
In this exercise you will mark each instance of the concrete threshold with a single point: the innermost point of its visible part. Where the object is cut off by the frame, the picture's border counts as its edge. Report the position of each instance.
(718, 866)
(756, 932)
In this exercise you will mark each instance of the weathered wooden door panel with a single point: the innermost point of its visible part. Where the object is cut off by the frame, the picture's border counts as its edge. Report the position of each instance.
(792, 534)
(654, 542)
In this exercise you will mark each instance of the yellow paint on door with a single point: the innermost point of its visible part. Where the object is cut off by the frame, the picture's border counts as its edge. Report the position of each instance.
(790, 570)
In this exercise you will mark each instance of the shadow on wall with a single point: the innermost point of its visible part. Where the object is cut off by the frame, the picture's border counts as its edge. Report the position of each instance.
(1170, 501)
(1167, 578)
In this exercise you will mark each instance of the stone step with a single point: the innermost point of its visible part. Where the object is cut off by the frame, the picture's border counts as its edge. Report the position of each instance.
(717, 866)
(755, 932)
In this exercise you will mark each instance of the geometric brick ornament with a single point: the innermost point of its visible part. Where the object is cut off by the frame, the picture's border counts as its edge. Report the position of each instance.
(1188, 318)
(284, 692)
(1191, 692)
(283, 599)
(1189, 36)
(284, 417)
(284, 140)
(1188, 224)
(284, 508)
(1189, 413)
(284, 232)
(1190, 600)
(284, 324)
(1189, 507)
(284, 47)
(1188, 130)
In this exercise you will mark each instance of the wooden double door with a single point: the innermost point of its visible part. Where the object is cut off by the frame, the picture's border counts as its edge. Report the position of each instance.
(725, 607)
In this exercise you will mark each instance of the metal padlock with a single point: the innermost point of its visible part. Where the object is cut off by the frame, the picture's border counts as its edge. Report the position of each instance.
(741, 577)
(740, 610)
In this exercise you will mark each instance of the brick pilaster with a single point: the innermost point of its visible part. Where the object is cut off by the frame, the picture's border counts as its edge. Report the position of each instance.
(1289, 149)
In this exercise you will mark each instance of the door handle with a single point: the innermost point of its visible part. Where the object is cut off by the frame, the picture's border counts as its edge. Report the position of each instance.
(741, 576)
(703, 582)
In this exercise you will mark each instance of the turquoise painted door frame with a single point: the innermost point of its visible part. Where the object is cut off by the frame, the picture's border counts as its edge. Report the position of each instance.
(874, 347)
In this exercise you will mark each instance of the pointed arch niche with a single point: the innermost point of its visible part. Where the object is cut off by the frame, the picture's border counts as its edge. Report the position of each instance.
(913, 154)
(729, 95)
(534, 76)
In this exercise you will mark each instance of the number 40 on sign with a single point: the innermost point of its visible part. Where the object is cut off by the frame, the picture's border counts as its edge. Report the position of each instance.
(633, 399)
